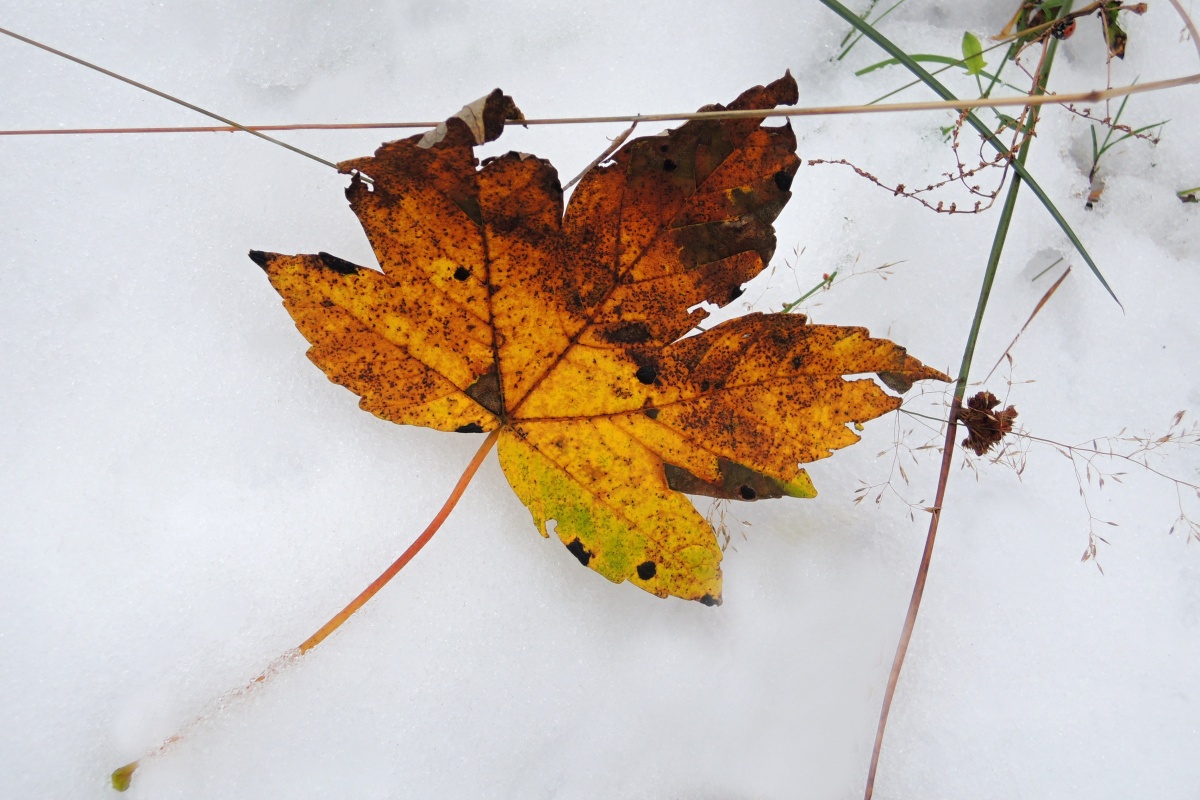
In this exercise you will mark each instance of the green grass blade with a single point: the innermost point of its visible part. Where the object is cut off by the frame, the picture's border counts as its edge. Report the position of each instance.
(848, 47)
(933, 83)
(1001, 235)
(931, 58)
(993, 79)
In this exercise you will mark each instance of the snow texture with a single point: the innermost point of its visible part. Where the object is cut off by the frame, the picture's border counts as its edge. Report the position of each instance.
(184, 497)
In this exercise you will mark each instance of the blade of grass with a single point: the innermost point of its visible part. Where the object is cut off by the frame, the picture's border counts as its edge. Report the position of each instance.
(858, 38)
(929, 58)
(165, 96)
(825, 283)
(960, 389)
(994, 80)
(1018, 166)
(1040, 305)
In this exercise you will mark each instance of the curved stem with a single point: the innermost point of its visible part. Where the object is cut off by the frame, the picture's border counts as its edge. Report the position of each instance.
(407, 555)
(122, 776)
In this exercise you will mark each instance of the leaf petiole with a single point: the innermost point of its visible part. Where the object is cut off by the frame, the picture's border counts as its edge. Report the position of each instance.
(122, 776)
(407, 555)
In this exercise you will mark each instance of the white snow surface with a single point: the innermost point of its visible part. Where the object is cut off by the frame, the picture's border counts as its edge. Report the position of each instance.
(184, 496)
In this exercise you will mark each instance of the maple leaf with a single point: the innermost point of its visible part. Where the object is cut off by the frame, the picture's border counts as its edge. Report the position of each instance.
(569, 332)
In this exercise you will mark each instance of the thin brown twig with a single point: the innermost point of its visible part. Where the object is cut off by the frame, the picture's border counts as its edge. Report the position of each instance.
(1133, 459)
(191, 106)
(1049, 293)
(914, 604)
(608, 151)
(1187, 21)
(1093, 96)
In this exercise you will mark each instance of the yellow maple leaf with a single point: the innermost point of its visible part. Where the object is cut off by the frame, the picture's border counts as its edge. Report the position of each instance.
(576, 334)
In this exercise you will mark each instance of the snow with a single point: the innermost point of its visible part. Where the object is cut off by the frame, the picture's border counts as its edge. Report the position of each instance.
(185, 497)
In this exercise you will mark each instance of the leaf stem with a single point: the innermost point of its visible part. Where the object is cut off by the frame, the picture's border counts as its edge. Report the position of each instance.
(122, 776)
(407, 555)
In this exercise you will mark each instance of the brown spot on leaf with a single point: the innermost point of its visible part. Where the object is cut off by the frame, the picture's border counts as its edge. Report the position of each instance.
(628, 333)
(462, 273)
(736, 482)
(470, 427)
(486, 392)
(579, 551)
(647, 570)
(338, 264)
(646, 374)
(896, 381)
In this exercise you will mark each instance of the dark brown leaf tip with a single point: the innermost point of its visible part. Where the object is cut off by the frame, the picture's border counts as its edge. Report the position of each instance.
(498, 108)
(260, 258)
(477, 123)
(709, 600)
(985, 426)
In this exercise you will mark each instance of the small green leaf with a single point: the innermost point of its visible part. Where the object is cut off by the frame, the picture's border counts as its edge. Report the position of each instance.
(973, 53)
